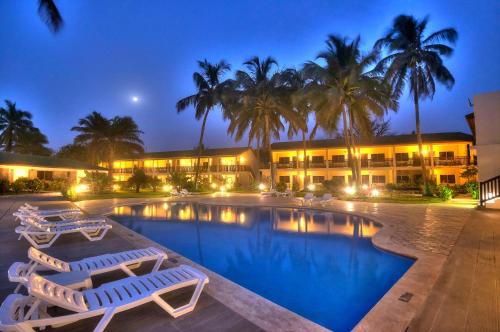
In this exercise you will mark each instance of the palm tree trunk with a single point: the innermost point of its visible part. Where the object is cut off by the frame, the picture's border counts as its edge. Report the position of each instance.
(419, 138)
(111, 157)
(200, 146)
(357, 154)
(258, 159)
(348, 145)
(267, 143)
(306, 160)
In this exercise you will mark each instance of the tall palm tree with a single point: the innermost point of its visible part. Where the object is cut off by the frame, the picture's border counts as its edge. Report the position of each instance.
(302, 105)
(262, 104)
(14, 124)
(107, 137)
(416, 60)
(49, 13)
(32, 141)
(343, 89)
(209, 94)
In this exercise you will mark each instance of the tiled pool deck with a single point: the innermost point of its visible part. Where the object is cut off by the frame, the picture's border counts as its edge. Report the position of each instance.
(454, 282)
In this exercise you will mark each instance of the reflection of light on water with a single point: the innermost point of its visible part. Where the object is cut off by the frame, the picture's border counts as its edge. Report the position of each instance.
(350, 206)
(228, 215)
(165, 206)
(242, 218)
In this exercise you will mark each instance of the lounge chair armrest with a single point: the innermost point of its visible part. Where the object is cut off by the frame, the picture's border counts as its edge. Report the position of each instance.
(18, 272)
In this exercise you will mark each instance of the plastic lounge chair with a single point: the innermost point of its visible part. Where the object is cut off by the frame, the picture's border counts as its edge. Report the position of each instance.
(125, 260)
(184, 192)
(308, 198)
(44, 237)
(24, 313)
(174, 192)
(41, 222)
(325, 199)
(270, 193)
(29, 210)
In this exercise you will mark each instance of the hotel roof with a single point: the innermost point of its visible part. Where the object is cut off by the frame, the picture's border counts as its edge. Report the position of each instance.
(194, 153)
(380, 140)
(8, 158)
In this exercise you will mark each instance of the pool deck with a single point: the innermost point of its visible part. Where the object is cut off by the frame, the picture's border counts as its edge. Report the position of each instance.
(454, 282)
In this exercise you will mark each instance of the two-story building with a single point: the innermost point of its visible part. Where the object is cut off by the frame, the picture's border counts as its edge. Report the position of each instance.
(224, 165)
(384, 159)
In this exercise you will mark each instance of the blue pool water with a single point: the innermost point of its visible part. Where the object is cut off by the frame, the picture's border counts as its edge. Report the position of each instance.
(320, 265)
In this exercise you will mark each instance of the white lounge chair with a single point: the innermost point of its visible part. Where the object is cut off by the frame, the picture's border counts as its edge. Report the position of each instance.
(37, 221)
(125, 261)
(325, 199)
(29, 210)
(43, 237)
(24, 313)
(308, 198)
(270, 193)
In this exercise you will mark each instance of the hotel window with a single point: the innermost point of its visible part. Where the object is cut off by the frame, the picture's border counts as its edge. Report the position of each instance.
(365, 179)
(447, 179)
(403, 179)
(284, 160)
(340, 158)
(378, 179)
(285, 179)
(401, 156)
(378, 156)
(318, 179)
(318, 159)
(44, 175)
(446, 155)
(338, 179)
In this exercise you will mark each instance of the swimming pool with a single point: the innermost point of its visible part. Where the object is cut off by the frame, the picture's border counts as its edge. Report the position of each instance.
(320, 265)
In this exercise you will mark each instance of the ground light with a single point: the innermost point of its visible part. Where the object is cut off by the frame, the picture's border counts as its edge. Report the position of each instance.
(364, 187)
(213, 185)
(350, 190)
(81, 188)
(375, 193)
(222, 189)
(311, 187)
(262, 186)
(166, 187)
(116, 187)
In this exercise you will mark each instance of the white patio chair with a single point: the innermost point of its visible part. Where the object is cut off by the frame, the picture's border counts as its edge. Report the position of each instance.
(184, 192)
(308, 198)
(126, 260)
(29, 210)
(270, 193)
(25, 313)
(43, 237)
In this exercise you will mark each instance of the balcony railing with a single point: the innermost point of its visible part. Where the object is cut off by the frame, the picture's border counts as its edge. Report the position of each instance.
(369, 163)
(189, 169)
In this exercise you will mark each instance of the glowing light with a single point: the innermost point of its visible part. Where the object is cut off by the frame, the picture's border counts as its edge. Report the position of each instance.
(165, 206)
(350, 190)
(81, 188)
(364, 187)
(425, 152)
(116, 186)
(242, 218)
(242, 160)
(311, 187)
(135, 99)
(166, 187)
(262, 186)
(214, 185)
(375, 193)
(222, 189)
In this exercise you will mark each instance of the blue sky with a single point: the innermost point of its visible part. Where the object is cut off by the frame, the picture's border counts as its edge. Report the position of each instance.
(109, 51)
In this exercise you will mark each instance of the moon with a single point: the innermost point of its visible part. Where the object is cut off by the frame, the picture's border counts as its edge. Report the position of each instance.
(135, 99)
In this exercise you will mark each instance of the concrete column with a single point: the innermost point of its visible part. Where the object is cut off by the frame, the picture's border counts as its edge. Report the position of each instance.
(393, 165)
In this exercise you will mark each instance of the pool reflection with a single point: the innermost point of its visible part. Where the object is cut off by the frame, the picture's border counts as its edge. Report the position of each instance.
(282, 219)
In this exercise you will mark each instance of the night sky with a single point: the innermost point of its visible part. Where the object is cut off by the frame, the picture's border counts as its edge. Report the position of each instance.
(109, 51)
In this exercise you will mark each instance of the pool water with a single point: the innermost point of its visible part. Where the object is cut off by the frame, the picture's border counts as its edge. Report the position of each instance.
(320, 265)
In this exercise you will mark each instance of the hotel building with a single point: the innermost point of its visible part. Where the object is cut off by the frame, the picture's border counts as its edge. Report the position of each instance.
(385, 159)
(225, 165)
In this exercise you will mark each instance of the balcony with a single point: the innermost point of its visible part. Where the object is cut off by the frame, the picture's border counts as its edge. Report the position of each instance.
(412, 162)
(189, 169)
(457, 161)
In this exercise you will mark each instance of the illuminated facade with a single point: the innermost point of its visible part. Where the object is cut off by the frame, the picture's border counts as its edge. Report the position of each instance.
(14, 166)
(225, 165)
(385, 159)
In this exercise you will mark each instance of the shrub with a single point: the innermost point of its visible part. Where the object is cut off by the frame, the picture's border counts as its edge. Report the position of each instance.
(281, 187)
(445, 192)
(34, 185)
(139, 179)
(473, 189)
(99, 182)
(4, 186)
(19, 185)
(154, 182)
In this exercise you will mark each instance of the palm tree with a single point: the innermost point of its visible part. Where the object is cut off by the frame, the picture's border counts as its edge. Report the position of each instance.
(14, 124)
(209, 95)
(107, 137)
(343, 88)
(298, 83)
(262, 103)
(32, 141)
(416, 59)
(49, 13)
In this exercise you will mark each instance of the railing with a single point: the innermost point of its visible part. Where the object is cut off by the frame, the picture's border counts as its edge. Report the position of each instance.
(338, 164)
(412, 162)
(457, 161)
(488, 190)
(189, 169)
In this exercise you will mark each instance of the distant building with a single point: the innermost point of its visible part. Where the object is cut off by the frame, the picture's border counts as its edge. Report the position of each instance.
(384, 159)
(224, 165)
(14, 166)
